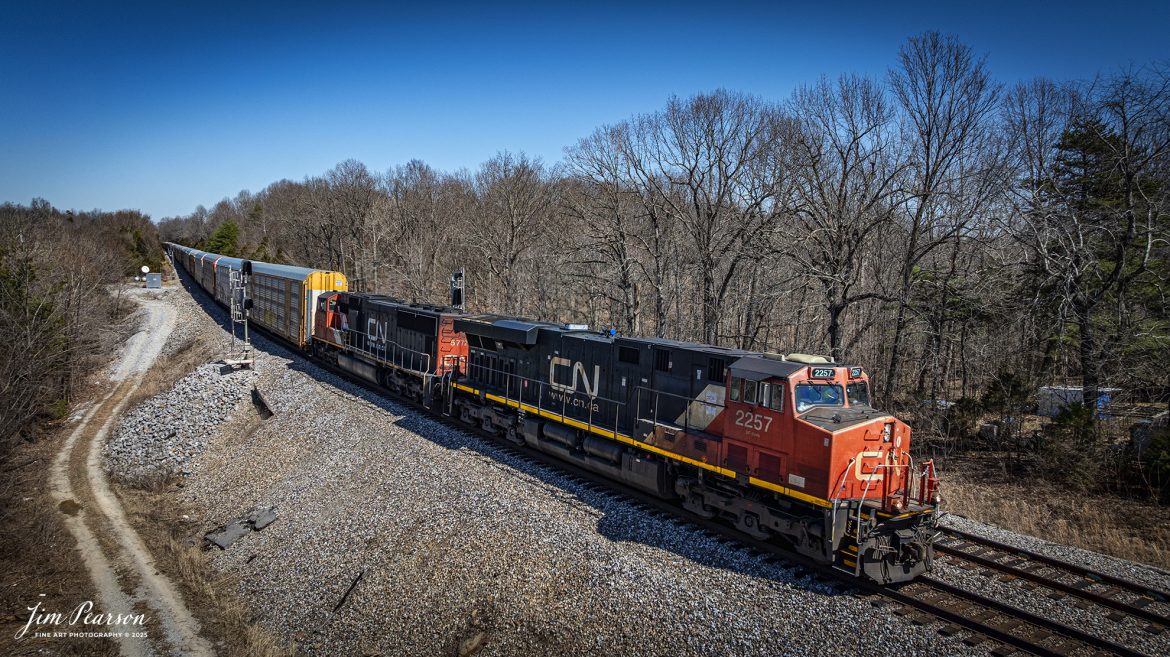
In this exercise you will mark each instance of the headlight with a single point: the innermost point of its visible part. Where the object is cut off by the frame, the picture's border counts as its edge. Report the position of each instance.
(887, 432)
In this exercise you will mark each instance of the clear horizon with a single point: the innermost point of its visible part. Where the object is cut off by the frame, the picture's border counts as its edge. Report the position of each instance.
(162, 109)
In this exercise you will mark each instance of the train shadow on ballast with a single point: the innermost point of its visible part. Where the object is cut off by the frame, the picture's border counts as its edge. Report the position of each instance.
(617, 520)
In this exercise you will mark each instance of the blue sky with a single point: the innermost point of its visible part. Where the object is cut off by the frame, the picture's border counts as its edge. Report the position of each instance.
(161, 107)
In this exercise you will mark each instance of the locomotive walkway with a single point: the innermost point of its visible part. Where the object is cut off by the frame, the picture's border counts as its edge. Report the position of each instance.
(122, 569)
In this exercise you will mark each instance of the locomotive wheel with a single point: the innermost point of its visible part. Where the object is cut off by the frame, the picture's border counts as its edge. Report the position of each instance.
(694, 504)
(512, 436)
(749, 523)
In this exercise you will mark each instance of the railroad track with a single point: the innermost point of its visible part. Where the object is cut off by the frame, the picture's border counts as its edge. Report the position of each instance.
(1005, 629)
(1001, 628)
(1119, 597)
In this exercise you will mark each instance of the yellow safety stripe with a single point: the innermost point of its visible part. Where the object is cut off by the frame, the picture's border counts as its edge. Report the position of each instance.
(649, 448)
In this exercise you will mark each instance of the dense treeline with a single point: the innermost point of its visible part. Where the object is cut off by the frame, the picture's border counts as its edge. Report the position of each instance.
(57, 311)
(954, 235)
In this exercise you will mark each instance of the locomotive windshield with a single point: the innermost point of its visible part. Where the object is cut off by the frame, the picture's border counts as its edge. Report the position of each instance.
(858, 393)
(818, 394)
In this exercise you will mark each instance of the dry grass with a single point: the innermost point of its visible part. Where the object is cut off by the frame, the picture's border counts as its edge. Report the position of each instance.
(167, 371)
(230, 618)
(1101, 523)
(38, 554)
(174, 539)
(225, 618)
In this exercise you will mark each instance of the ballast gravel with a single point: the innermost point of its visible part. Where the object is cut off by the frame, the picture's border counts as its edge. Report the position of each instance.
(399, 535)
(454, 537)
(1127, 631)
(160, 436)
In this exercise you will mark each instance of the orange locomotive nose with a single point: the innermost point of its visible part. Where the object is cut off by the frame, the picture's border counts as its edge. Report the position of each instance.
(866, 449)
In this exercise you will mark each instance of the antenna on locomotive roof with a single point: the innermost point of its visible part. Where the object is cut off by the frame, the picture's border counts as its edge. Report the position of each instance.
(457, 290)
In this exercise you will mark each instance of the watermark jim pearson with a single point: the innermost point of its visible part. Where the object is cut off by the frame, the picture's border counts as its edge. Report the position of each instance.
(47, 624)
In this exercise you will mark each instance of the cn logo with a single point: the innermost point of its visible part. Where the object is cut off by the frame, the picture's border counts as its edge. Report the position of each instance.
(375, 332)
(578, 368)
(861, 475)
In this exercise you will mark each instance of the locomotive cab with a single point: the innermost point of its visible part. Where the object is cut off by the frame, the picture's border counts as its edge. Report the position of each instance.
(807, 430)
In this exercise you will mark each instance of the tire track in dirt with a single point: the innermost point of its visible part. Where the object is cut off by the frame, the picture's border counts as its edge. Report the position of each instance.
(122, 568)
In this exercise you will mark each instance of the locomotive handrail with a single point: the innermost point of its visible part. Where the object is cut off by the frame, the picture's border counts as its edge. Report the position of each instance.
(474, 371)
(861, 506)
(885, 482)
(835, 500)
(686, 427)
(424, 357)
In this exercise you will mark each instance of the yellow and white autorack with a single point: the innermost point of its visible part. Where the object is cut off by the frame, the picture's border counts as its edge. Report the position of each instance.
(284, 298)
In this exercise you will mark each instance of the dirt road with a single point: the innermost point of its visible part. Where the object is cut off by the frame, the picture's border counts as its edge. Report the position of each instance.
(121, 567)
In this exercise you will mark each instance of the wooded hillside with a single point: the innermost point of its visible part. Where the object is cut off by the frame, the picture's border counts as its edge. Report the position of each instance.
(958, 237)
(58, 315)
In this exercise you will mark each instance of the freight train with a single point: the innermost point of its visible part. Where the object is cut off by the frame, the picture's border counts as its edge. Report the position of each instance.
(784, 447)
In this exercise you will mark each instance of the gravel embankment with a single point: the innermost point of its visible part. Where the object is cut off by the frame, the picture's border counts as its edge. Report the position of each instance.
(457, 542)
(161, 435)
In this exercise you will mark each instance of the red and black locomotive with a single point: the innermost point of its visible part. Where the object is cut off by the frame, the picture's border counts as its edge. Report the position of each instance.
(787, 447)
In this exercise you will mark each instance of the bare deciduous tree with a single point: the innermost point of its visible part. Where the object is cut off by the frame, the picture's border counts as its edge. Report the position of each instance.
(847, 171)
(947, 101)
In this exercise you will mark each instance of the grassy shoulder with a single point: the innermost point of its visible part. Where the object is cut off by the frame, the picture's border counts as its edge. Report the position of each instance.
(38, 555)
(173, 534)
(174, 537)
(978, 488)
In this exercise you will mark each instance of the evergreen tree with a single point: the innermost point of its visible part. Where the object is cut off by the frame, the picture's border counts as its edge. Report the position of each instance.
(225, 240)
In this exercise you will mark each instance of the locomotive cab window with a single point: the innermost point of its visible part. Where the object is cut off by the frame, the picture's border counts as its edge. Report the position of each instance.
(818, 394)
(858, 393)
(733, 390)
(749, 392)
(776, 402)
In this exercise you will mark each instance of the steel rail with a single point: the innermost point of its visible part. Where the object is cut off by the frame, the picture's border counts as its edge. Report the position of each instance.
(1054, 584)
(1088, 573)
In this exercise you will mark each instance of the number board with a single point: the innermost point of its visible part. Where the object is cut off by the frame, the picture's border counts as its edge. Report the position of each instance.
(822, 372)
(855, 372)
